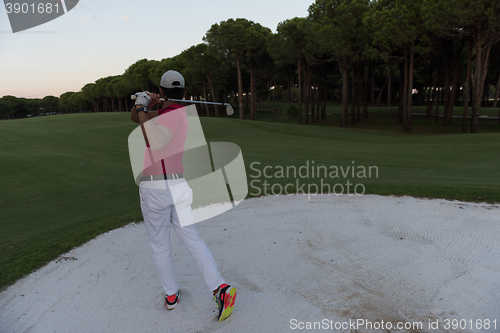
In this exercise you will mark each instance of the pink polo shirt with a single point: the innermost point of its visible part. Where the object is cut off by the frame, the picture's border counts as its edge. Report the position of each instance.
(168, 159)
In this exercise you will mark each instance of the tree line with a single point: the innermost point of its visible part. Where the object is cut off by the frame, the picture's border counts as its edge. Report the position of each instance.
(438, 53)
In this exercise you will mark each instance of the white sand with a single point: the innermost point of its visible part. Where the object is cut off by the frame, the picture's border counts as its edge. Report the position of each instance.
(336, 258)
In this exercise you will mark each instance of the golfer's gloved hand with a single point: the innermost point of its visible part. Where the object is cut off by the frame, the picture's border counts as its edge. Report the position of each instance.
(143, 98)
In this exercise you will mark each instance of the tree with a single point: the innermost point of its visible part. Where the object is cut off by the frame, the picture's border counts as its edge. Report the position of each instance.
(79, 102)
(288, 46)
(99, 92)
(137, 76)
(34, 106)
(477, 21)
(89, 94)
(120, 92)
(65, 102)
(20, 107)
(480, 22)
(50, 103)
(109, 91)
(229, 40)
(258, 60)
(341, 36)
(5, 109)
(399, 26)
(201, 67)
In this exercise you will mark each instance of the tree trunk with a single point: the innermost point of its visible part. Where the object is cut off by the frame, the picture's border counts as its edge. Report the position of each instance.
(210, 80)
(467, 90)
(453, 97)
(447, 85)
(307, 95)
(315, 96)
(240, 89)
(247, 100)
(438, 101)
(401, 93)
(318, 95)
(205, 98)
(312, 99)
(433, 94)
(299, 70)
(455, 85)
(312, 102)
(372, 101)
(428, 100)
(389, 97)
(359, 92)
(359, 97)
(410, 87)
(486, 94)
(497, 94)
(353, 95)
(345, 93)
(256, 100)
(435, 98)
(305, 92)
(405, 93)
(420, 95)
(481, 69)
(253, 106)
(323, 104)
(253, 93)
(430, 89)
(379, 96)
(365, 93)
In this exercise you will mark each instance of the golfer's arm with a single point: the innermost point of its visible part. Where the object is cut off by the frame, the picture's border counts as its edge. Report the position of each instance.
(135, 117)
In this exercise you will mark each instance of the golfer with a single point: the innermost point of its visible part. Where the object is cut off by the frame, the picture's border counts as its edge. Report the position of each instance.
(165, 195)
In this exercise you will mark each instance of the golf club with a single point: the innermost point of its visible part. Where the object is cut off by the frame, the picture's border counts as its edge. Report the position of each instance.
(229, 108)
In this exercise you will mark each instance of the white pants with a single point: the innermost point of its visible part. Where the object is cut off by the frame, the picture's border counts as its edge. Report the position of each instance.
(161, 203)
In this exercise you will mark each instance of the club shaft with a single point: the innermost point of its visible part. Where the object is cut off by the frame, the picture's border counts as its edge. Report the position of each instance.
(133, 97)
(197, 102)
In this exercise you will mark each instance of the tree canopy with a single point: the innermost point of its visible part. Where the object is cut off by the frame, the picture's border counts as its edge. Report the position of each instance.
(423, 51)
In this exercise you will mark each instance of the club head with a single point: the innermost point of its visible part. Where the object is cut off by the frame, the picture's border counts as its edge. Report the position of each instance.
(229, 110)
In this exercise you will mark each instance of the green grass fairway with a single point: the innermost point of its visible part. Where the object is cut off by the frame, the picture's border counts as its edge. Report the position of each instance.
(67, 178)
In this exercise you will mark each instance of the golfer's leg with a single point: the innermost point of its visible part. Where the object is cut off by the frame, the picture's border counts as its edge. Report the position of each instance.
(200, 252)
(156, 210)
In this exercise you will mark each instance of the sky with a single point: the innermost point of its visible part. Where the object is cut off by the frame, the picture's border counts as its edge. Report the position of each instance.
(101, 38)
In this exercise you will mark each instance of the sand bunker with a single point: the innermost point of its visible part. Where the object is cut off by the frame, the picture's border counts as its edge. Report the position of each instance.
(295, 262)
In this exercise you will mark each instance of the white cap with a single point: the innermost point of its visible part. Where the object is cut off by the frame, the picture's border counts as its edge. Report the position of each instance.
(172, 79)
